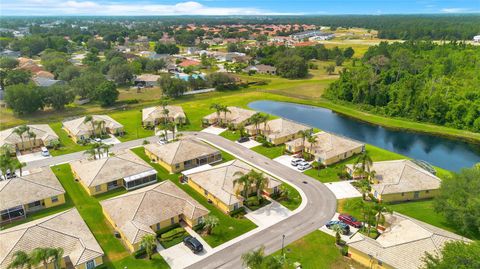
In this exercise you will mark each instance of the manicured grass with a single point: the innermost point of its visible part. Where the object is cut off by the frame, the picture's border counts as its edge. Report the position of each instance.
(130, 262)
(228, 227)
(91, 212)
(132, 123)
(231, 135)
(173, 237)
(272, 152)
(67, 144)
(315, 250)
(294, 198)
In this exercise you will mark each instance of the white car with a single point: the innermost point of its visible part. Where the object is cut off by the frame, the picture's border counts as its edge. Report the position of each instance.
(303, 166)
(296, 161)
(45, 152)
(98, 140)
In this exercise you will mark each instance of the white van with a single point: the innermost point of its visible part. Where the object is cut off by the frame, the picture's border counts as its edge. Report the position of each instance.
(45, 152)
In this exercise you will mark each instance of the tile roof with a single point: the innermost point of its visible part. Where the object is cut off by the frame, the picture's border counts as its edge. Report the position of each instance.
(147, 77)
(36, 185)
(78, 127)
(236, 115)
(219, 180)
(42, 132)
(181, 150)
(280, 127)
(66, 230)
(402, 176)
(404, 243)
(156, 112)
(118, 166)
(136, 211)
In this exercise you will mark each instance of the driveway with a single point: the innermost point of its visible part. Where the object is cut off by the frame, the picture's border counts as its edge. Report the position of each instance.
(249, 144)
(111, 141)
(35, 156)
(286, 160)
(343, 189)
(269, 214)
(214, 130)
(332, 233)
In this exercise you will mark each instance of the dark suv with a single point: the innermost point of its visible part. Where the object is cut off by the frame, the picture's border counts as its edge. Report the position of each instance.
(345, 228)
(347, 219)
(193, 244)
(243, 139)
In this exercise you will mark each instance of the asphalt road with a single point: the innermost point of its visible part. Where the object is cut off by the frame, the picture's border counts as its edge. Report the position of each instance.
(319, 210)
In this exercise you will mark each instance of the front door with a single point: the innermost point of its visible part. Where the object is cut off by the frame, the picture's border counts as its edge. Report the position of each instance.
(91, 264)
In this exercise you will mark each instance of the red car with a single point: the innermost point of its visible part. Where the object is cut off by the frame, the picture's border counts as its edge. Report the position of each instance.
(347, 219)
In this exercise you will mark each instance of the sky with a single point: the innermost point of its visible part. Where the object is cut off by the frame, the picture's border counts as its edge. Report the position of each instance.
(233, 7)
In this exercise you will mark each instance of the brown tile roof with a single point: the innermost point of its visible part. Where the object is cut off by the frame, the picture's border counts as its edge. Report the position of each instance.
(78, 127)
(42, 132)
(156, 112)
(236, 115)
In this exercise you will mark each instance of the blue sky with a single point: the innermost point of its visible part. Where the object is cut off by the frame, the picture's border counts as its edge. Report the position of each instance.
(234, 7)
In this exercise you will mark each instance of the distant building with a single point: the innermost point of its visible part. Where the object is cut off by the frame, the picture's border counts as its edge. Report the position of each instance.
(262, 69)
(46, 82)
(147, 80)
(10, 53)
(192, 50)
(314, 35)
(476, 38)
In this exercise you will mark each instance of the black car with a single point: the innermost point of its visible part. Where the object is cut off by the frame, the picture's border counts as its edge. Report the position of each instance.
(243, 139)
(193, 244)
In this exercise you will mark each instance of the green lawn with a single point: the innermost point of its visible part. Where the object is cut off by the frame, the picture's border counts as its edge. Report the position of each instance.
(315, 250)
(132, 123)
(228, 227)
(231, 135)
(272, 152)
(67, 144)
(91, 212)
(294, 199)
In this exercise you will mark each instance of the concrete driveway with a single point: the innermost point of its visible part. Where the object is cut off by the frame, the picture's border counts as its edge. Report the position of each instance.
(286, 160)
(249, 144)
(269, 214)
(111, 141)
(35, 156)
(343, 189)
(345, 237)
(214, 130)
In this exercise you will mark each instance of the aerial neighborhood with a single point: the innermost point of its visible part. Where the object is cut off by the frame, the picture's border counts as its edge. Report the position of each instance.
(250, 142)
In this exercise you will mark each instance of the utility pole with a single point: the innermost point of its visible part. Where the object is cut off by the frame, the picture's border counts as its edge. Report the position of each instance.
(283, 244)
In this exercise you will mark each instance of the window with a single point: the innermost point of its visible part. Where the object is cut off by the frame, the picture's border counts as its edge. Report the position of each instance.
(427, 191)
(98, 188)
(54, 199)
(172, 220)
(91, 264)
(158, 226)
(34, 204)
(205, 192)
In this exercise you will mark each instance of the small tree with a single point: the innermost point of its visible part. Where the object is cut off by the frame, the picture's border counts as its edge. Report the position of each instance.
(20, 259)
(455, 254)
(337, 229)
(330, 69)
(107, 93)
(210, 222)
(148, 243)
(254, 258)
(89, 119)
(218, 108)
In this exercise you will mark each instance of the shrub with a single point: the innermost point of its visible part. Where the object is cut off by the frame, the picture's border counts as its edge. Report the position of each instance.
(166, 229)
(140, 253)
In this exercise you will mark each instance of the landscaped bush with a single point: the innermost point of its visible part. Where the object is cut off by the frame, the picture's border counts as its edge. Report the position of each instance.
(172, 233)
(140, 253)
(166, 229)
(239, 213)
(172, 237)
(198, 227)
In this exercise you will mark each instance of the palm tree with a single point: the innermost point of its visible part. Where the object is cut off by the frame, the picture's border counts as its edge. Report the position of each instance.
(106, 147)
(56, 254)
(260, 181)
(20, 130)
(380, 210)
(30, 136)
(40, 255)
(312, 140)
(148, 243)
(255, 120)
(88, 119)
(304, 134)
(337, 229)
(165, 113)
(218, 109)
(225, 110)
(241, 130)
(264, 120)
(6, 162)
(16, 164)
(242, 183)
(209, 223)
(91, 152)
(100, 124)
(254, 259)
(363, 163)
(171, 126)
(20, 259)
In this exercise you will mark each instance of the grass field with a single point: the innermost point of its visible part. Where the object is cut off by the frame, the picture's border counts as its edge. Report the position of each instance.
(272, 152)
(67, 144)
(315, 250)
(228, 227)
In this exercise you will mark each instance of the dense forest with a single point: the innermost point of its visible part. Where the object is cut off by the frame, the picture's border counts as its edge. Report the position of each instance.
(422, 81)
(407, 27)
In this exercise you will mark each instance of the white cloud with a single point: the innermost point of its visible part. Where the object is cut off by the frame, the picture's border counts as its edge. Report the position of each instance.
(73, 7)
(455, 10)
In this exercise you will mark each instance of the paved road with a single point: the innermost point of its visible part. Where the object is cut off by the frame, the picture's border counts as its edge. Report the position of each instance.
(320, 208)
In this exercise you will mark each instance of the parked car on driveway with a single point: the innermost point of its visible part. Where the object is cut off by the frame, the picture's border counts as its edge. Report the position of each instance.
(347, 219)
(45, 152)
(296, 161)
(243, 139)
(303, 166)
(345, 227)
(193, 244)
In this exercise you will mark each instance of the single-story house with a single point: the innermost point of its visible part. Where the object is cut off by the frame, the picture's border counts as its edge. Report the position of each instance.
(44, 136)
(262, 69)
(278, 131)
(151, 209)
(35, 190)
(401, 180)
(328, 149)
(10, 53)
(124, 169)
(236, 116)
(65, 230)
(192, 50)
(78, 129)
(46, 82)
(476, 38)
(147, 80)
(152, 116)
(402, 245)
(188, 63)
(217, 184)
(183, 154)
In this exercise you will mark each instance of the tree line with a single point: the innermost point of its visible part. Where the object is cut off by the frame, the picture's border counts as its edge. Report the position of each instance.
(422, 81)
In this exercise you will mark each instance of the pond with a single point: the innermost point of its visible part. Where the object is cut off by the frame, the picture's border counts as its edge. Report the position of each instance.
(442, 152)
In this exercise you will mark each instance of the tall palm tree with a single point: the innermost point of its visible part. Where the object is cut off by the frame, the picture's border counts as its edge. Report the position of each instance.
(172, 126)
(254, 258)
(241, 130)
(304, 134)
(312, 140)
(260, 181)
(218, 108)
(209, 223)
(264, 119)
(89, 119)
(225, 110)
(30, 136)
(91, 152)
(106, 148)
(165, 113)
(6, 162)
(16, 164)
(56, 255)
(255, 120)
(242, 184)
(20, 259)
(20, 130)
(100, 124)
(148, 243)
(40, 256)
(364, 162)
(380, 211)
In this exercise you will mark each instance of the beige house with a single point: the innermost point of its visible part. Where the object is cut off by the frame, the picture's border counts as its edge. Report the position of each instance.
(278, 131)
(401, 180)
(182, 154)
(150, 209)
(152, 116)
(65, 230)
(328, 149)
(402, 245)
(217, 184)
(35, 190)
(43, 136)
(147, 80)
(124, 169)
(79, 130)
(236, 116)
